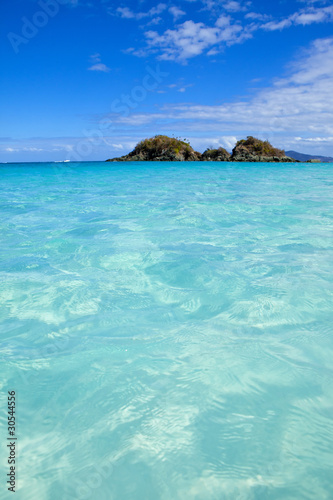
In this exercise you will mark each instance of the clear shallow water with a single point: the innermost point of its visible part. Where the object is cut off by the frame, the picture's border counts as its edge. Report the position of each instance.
(168, 330)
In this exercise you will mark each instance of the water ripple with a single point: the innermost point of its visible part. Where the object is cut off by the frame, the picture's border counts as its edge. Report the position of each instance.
(167, 329)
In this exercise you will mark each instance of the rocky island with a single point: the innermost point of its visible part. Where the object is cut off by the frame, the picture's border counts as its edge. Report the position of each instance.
(219, 154)
(164, 148)
(161, 148)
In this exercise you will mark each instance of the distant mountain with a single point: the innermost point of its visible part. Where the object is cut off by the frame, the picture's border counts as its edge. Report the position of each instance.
(303, 157)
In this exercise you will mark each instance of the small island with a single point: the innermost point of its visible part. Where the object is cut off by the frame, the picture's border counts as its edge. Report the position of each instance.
(164, 148)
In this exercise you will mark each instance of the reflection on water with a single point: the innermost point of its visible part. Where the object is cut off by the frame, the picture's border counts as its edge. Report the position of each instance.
(167, 328)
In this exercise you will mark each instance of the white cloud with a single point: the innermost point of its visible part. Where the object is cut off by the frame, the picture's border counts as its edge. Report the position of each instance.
(328, 140)
(95, 58)
(228, 5)
(300, 105)
(179, 87)
(304, 17)
(314, 16)
(277, 25)
(138, 118)
(155, 20)
(223, 21)
(202, 143)
(176, 12)
(127, 13)
(97, 64)
(311, 2)
(228, 141)
(99, 67)
(255, 16)
(233, 6)
(25, 149)
(73, 148)
(191, 39)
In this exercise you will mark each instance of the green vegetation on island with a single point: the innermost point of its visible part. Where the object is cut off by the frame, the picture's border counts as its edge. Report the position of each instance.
(161, 148)
(252, 149)
(219, 154)
(164, 148)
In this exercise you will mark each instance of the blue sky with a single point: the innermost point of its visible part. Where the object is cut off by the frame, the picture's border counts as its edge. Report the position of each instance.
(86, 80)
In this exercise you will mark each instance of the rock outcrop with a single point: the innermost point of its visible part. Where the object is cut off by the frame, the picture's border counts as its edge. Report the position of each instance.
(255, 150)
(161, 148)
(219, 154)
(164, 148)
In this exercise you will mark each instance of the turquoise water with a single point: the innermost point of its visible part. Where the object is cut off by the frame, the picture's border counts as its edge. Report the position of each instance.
(168, 330)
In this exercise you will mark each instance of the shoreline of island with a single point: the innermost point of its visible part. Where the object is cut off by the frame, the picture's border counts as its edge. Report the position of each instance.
(164, 148)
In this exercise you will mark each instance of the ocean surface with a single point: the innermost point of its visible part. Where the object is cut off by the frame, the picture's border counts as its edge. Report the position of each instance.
(167, 328)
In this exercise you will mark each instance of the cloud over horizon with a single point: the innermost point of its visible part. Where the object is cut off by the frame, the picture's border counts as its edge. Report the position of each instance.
(300, 103)
(224, 73)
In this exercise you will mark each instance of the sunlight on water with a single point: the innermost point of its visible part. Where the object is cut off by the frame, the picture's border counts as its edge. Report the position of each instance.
(167, 328)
